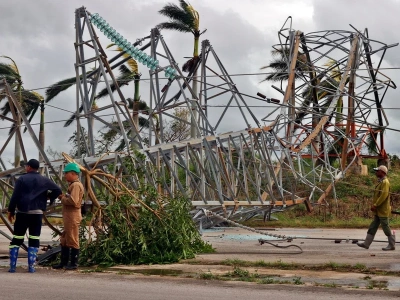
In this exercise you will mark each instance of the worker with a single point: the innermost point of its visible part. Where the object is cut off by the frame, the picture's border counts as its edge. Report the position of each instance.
(381, 208)
(72, 217)
(29, 199)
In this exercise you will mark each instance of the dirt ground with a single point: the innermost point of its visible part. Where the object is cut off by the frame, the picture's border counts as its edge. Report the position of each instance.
(308, 247)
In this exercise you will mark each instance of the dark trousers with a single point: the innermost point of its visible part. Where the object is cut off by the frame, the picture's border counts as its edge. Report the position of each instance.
(383, 221)
(22, 223)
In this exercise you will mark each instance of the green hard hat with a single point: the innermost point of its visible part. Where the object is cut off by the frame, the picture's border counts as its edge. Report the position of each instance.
(72, 167)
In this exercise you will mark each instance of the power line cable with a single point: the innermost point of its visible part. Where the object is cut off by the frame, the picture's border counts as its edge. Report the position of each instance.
(209, 76)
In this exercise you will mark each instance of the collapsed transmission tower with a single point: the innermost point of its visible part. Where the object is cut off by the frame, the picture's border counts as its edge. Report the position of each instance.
(331, 95)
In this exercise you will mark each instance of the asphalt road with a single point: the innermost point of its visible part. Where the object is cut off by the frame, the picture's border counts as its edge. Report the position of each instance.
(48, 284)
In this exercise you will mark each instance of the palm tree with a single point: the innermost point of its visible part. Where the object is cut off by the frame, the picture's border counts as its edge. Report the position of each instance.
(185, 18)
(127, 73)
(326, 90)
(279, 65)
(30, 102)
(109, 137)
(372, 140)
(325, 86)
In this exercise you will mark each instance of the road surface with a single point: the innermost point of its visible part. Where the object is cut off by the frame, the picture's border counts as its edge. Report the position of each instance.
(61, 285)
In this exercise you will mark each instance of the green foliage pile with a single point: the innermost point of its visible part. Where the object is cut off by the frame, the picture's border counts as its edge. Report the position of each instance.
(134, 234)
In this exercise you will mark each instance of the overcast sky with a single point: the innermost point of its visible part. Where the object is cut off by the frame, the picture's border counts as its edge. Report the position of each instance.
(39, 36)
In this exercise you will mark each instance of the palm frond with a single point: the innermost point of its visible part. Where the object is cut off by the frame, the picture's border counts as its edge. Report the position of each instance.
(104, 92)
(279, 65)
(27, 107)
(110, 134)
(72, 117)
(131, 62)
(178, 14)
(371, 142)
(5, 110)
(125, 72)
(143, 105)
(278, 76)
(36, 95)
(184, 5)
(282, 51)
(324, 88)
(32, 114)
(3, 94)
(31, 96)
(191, 64)
(181, 27)
(121, 145)
(143, 122)
(9, 74)
(333, 66)
(30, 101)
(13, 65)
(196, 17)
(12, 81)
(188, 80)
(58, 87)
(7, 70)
(124, 78)
(12, 128)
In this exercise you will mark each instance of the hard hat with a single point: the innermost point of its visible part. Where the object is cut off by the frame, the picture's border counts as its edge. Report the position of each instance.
(72, 167)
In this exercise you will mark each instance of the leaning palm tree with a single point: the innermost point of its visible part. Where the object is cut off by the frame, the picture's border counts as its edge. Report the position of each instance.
(185, 18)
(326, 90)
(326, 83)
(128, 73)
(30, 102)
(325, 86)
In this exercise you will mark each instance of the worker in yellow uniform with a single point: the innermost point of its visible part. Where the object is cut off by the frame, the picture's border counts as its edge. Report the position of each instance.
(71, 212)
(381, 208)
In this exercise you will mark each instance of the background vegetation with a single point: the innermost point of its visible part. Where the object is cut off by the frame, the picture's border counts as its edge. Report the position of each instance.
(350, 210)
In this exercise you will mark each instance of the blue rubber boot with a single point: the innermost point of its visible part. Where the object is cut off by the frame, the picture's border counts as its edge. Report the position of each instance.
(13, 258)
(32, 254)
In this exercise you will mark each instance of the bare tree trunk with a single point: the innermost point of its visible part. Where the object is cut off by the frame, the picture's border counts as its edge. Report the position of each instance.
(17, 146)
(41, 131)
(135, 110)
(193, 120)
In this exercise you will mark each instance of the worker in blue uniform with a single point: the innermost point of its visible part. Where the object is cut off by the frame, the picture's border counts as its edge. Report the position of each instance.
(27, 204)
